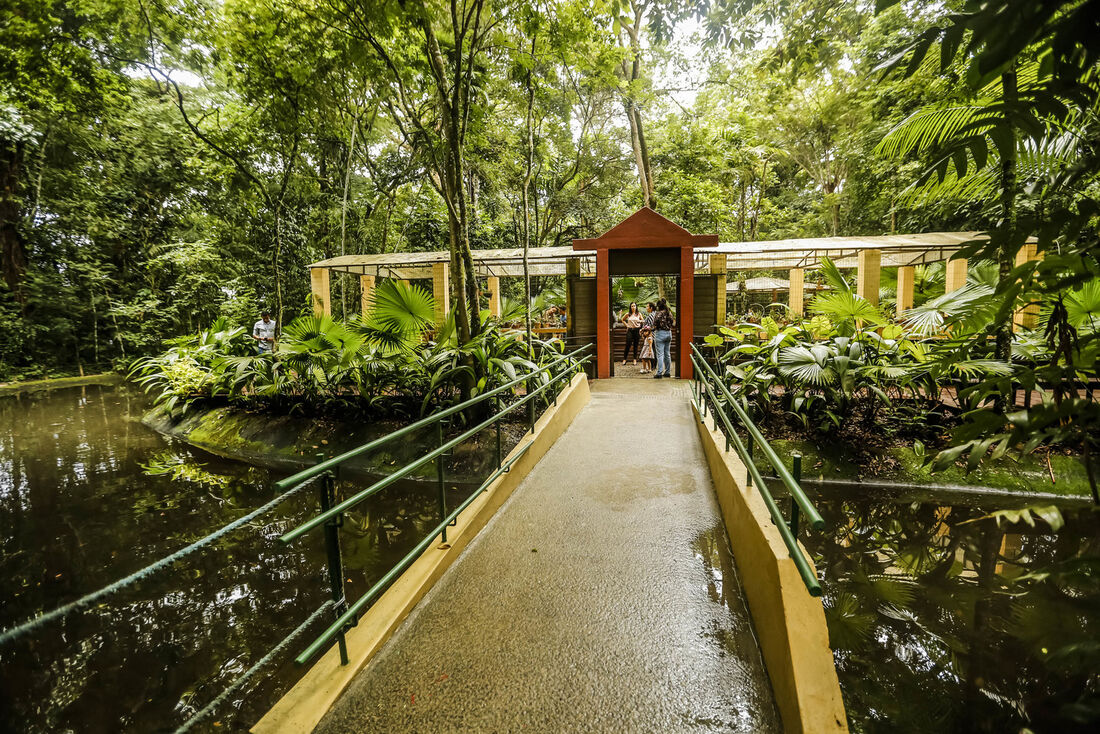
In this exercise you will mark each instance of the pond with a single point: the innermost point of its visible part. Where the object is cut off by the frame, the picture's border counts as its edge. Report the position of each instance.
(943, 621)
(88, 495)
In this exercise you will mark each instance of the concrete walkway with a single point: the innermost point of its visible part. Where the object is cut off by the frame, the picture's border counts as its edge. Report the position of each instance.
(601, 598)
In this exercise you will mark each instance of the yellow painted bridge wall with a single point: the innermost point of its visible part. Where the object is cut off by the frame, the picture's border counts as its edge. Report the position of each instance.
(789, 623)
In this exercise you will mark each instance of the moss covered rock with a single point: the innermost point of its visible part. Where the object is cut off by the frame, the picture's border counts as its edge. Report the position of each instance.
(291, 443)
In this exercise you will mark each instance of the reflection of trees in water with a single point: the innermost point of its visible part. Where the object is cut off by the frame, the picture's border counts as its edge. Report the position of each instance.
(932, 631)
(77, 511)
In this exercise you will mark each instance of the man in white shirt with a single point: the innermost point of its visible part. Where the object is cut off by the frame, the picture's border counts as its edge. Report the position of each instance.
(264, 333)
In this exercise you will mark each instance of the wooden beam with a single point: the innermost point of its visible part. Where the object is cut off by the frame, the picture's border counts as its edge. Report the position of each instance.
(718, 267)
(956, 274)
(687, 311)
(366, 293)
(796, 299)
(321, 293)
(494, 296)
(869, 274)
(906, 281)
(441, 289)
(603, 314)
(1027, 317)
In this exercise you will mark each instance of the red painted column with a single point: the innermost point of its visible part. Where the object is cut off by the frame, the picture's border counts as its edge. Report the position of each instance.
(687, 309)
(603, 314)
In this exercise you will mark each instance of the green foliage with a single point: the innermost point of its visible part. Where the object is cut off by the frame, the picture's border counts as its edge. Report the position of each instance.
(379, 366)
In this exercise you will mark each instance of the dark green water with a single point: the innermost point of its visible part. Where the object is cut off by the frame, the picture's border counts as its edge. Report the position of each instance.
(940, 624)
(78, 510)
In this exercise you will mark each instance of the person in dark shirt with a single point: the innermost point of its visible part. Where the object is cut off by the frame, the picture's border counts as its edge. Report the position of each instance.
(662, 339)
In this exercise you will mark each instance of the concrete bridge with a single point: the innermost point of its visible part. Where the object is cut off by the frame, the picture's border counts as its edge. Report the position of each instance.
(601, 596)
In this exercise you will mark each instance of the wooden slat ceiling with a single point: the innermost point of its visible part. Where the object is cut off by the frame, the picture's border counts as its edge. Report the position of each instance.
(905, 249)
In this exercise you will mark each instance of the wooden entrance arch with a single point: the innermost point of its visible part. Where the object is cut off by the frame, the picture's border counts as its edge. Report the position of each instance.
(645, 242)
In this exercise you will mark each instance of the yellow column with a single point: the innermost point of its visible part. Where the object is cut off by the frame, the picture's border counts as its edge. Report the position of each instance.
(796, 298)
(572, 270)
(956, 274)
(441, 289)
(869, 274)
(718, 267)
(1027, 317)
(322, 295)
(494, 296)
(906, 282)
(366, 292)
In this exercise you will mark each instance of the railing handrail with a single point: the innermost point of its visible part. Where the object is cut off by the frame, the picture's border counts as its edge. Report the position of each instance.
(330, 517)
(94, 597)
(318, 520)
(292, 486)
(816, 521)
(785, 532)
(329, 464)
(350, 614)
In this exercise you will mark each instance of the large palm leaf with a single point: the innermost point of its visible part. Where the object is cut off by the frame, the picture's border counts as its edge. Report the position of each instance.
(845, 307)
(970, 307)
(1083, 306)
(402, 308)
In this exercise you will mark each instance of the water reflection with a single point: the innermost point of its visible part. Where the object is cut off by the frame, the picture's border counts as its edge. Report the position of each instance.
(78, 510)
(940, 624)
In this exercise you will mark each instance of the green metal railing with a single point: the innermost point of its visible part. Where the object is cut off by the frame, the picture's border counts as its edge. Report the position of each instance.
(332, 512)
(709, 388)
(324, 475)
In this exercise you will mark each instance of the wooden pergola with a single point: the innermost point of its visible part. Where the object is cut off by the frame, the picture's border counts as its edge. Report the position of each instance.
(868, 255)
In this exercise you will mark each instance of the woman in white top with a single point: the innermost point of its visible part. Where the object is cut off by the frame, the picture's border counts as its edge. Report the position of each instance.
(633, 321)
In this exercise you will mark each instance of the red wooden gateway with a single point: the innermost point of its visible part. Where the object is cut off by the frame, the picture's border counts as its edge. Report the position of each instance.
(645, 243)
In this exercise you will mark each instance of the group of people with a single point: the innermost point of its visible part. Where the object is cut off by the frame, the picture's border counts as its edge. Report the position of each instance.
(653, 332)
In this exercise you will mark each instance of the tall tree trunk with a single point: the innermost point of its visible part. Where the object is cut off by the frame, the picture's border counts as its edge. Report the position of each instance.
(741, 213)
(13, 251)
(759, 201)
(525, 194)
(639, 159)
(278, 270)
(633, 114)
(651, 192)
(1006, 252)
(344, 210)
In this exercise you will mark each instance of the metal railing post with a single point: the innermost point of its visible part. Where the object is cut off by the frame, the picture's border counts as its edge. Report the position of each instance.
(500, 456)
(332, 550)
(796, 472)
(442, 478)
(748, 451)
(530, 406)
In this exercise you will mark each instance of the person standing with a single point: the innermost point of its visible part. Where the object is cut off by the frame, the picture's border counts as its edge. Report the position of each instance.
(263, 331)
(662, 339)
(633, 321)
(647, 350)
(650, 314)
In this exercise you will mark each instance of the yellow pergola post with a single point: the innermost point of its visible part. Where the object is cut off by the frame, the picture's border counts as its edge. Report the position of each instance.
(906, 282)
(718, 267)
(494, 296)
(321, 293)
(366, 292)
(797, 297)
(869, 274)
(441, 289)
(1027, 317)
(956, 274)
(572, 270)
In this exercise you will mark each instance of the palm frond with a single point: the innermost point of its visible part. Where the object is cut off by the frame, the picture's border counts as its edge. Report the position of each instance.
(403, 307)
(931, 129)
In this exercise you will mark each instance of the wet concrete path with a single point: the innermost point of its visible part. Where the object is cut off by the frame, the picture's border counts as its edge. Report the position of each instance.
(601, 597)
